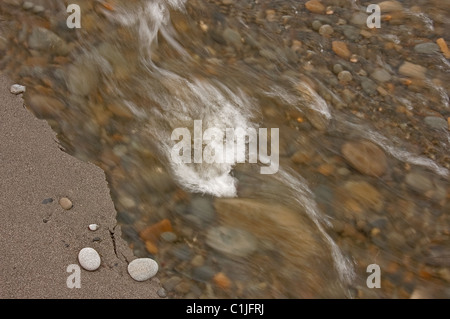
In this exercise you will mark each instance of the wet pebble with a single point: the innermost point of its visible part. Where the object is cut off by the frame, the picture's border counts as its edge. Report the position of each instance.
(419, 182)
(232, 37)
(315, 6)
(351, 32)
(437, 123)
(412, 70)
(203, 209)
(337, 68)
(231, 241)
(426, 48)
(182, 252)
(89, 259)
(316, 24)
(359, 18)
(366, 157)
(390, 6)
(365, 194)
(345, 76)
(142, 269)
(368, 86)
(326, 30)
(170, 283)
(341, 49)
(203, 273)
(168, 237)
(42, 39)
(380, 75)
(162, 293)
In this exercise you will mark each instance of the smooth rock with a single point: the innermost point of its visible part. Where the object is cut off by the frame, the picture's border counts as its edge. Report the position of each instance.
(65, 203)
(43, 106)
(351, 32)
(368, 86)
(437, 123)
(365, 194)
(142, 269)
(93, 227)
(390, 6)
(341, 49)
(89, 259)
(426, 48)
(162, 292)
(359, 18)
(316, 24)
(42, 39)
(337, 68)
(326, 30)
(27, 5)
(168, 237)
(17, 89)
(345, 76)
(380, 75)
(412, 70)
(438, 255)
(315, 6)
(419, 182)
(231, 241)
(82, 78)
(203, 209)
(366, 157)
(203, 273)
(232, 37)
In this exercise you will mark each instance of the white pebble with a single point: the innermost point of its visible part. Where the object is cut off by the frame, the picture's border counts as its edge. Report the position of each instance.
(93, 227)
(142, 269)
(89, 259)
(17, 89)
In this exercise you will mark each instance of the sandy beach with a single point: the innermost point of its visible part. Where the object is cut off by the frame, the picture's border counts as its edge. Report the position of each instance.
(38, 238)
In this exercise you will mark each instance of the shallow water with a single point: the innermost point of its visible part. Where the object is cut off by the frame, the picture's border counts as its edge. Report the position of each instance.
(363, 174)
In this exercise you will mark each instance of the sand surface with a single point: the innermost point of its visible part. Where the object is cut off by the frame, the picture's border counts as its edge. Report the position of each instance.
(39, 241)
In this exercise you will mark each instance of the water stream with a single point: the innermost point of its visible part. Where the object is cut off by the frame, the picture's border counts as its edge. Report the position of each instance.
(363, 172)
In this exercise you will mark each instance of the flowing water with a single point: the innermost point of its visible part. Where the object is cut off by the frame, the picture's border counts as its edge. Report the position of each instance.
(363, 131)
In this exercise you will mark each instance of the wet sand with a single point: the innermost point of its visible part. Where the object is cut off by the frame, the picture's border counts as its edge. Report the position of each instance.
(39, 241)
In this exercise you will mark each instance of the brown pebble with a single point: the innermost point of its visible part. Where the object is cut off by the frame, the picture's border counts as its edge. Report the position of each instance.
(315, 6)
(222, 281)
(341, 49)
(65, 203)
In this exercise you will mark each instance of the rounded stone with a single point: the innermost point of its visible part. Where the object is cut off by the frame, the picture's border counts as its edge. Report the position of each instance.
(345, 76)
(17, 89)
(231, 241)
(162, 293)
(65, 203)
(436, 123)
(168, 237)
(338, 68)
(142, 269)
(326, 30)
(89, 259)
(366, 157)
(93, 227)
(316, 24)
